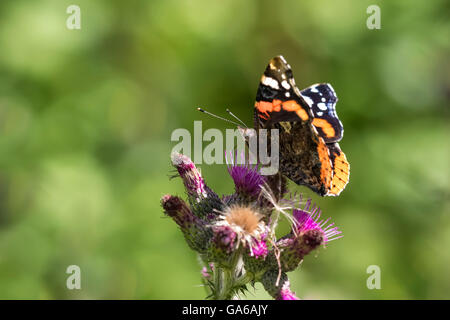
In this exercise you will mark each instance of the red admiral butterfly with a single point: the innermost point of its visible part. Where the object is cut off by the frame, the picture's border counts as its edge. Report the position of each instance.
(309, 129)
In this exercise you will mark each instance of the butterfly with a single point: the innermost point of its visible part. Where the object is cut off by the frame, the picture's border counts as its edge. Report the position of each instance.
(309, 129)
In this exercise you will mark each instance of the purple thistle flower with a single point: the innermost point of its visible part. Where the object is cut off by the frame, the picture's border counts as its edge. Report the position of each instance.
(308, 219)
(308, 234)
(246, 177)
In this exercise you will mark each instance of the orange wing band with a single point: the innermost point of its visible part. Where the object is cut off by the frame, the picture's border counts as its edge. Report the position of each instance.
(326, 127)
(275, 106)
(341, 174)
(326, 171)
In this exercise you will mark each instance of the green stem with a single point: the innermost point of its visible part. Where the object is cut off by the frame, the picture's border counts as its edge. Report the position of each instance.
(225, 280)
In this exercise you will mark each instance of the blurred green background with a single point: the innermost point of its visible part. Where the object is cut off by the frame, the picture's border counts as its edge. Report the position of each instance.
(86, 118)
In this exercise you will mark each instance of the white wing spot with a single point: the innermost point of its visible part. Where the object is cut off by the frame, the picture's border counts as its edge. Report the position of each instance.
(322, 106)
(285, 85)
(268, 81)
(308, 100)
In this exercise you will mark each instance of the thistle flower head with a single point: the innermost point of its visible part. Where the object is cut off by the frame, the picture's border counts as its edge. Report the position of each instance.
(245, 222)
(246, 177)
(308, 219)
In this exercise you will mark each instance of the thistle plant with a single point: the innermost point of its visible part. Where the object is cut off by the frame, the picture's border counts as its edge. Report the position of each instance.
(234, 235)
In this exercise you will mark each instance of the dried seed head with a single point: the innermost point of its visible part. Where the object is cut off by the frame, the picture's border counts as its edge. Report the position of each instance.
(244, 218)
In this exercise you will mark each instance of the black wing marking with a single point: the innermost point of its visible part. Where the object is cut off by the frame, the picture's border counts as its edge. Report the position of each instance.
(322, 100)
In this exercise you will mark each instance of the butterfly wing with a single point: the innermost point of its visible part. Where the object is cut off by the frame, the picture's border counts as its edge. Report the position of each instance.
(340, 168)
(322, 100)
(278, 98)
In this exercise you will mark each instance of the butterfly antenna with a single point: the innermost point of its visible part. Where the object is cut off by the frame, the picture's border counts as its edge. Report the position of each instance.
(218, 117)
(231, 114)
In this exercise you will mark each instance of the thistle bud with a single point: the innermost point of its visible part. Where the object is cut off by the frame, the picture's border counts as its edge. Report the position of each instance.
(196, 233)
(204, 202)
